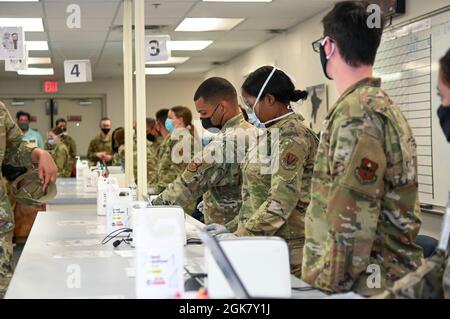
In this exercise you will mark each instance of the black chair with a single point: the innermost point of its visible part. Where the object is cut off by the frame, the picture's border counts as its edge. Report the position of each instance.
(428, 244)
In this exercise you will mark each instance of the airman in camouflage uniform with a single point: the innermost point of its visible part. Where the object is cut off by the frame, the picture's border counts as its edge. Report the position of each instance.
(101, 143)
(446, 281)
(61, 156)
(219, 183)
(274, 204)
(364, 208)
(17, 153)
(168, 170)
(71, 146)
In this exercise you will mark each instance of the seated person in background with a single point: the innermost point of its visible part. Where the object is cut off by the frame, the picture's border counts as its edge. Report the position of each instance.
(29, 135)
(364, 214)
(60, 153)
(218, 179)
(275, 198)
(100, 148)
(179, 125)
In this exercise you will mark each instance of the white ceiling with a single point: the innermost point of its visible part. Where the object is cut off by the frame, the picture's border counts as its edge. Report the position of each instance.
(100, 40)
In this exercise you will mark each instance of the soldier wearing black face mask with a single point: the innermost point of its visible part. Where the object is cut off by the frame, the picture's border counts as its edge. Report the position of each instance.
(444, 93)
(219, 180)
(100, 148)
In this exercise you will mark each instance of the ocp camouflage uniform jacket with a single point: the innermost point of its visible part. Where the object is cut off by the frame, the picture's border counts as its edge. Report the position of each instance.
(364, 208)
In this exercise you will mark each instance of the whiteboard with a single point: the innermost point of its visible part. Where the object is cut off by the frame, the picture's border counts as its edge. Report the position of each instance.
(408, 63)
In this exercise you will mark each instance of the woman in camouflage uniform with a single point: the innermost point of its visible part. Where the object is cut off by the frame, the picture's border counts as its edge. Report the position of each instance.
(275, 195)
(60, 154)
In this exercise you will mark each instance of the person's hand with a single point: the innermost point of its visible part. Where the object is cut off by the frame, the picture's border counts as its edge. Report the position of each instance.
(107, 157)
(226, 236)
(216, 229)
(47, 167)
(100, 155)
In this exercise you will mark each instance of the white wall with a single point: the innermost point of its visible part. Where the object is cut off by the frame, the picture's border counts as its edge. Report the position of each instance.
(293, 52)
(161, 93)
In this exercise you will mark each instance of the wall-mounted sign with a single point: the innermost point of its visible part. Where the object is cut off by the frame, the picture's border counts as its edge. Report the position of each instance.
(17, 64)
(12, 43)
(51, 86)
(73, 118)
(77, 71)
(156, 48)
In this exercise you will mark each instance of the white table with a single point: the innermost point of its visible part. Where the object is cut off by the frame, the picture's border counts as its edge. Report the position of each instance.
(40, 275)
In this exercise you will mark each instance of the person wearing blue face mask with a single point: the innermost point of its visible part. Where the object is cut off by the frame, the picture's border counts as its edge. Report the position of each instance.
(60, 153)
(178, 125)
(275, 202)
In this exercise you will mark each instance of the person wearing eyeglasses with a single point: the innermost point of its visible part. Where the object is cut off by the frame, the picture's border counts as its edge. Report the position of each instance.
(364, 214)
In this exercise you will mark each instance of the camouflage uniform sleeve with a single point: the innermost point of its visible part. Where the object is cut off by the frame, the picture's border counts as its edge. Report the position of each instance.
(92, 151)
(62, 161)
(17, 152)
(357, 164)
(284, 191)
(232, 225)
(193, 182)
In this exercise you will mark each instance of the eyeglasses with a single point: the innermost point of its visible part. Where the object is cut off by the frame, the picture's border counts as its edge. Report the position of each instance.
(316, 45)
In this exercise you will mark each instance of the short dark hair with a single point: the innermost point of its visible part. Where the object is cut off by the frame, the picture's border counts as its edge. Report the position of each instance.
(347, 24)
(150, 122)
(22, 113)
(445, 68)
(161, 116)
(280, 85)
(61, 120)
(105, 119)
(216, 88)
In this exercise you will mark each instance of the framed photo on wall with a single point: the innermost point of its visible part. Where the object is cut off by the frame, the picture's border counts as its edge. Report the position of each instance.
(317, 106)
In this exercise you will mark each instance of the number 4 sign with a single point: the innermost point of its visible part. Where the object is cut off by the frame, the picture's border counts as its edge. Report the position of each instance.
(77, 71)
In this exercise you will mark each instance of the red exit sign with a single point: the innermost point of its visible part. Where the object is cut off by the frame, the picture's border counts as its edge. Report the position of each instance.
(50, 86)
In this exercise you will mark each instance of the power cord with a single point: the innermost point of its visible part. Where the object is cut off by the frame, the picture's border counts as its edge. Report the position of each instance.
(116, 234)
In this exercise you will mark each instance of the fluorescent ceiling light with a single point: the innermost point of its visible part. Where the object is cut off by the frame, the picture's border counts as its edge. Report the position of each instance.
(19, 0)
(188, 45)
(159, 71)
(28, 24)
(36, 45)
(36, 71)
(237, 0)
(39, 61)
(172, 60)
(207, 24)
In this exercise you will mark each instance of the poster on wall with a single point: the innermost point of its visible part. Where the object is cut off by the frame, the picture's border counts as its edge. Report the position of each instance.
(17, 64)
(13, 43)
(317, 106)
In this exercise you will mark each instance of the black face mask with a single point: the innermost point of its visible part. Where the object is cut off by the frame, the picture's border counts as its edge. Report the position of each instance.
(24, 126)
(207, 123)
(324, 61)
(150, 138)
(106, 130)
(444, 119)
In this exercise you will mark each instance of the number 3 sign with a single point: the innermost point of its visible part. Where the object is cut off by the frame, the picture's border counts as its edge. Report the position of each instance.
(77, 71)
(156, 48)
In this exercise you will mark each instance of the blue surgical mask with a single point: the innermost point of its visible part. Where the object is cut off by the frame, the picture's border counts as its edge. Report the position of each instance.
(253, 119)
(169, 125)
(51, 141)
